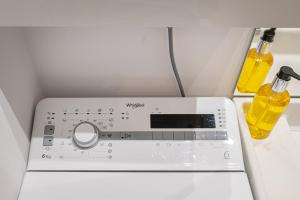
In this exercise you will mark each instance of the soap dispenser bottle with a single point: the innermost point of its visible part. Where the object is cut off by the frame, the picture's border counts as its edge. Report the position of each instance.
(269, 103)
(257, 64)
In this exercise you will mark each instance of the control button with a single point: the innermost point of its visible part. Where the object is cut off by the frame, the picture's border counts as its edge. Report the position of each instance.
(126, 136)
(168, 135)
(48, 141)
(210, 135)
(178, 135)
(200, 135)
(157, 135)
(85, 135)
(189, 135)
(49, 129)
(205, 135)
(110, 135)
(113, 135)
(221, 135)
(136, 135)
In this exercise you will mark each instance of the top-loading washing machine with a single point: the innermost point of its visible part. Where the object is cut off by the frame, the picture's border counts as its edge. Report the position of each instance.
(135, 148)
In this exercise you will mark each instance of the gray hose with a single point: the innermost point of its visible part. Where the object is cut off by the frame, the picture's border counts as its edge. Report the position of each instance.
(173, 63)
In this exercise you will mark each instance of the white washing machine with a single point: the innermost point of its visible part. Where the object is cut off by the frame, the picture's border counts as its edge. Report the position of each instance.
(135, 148)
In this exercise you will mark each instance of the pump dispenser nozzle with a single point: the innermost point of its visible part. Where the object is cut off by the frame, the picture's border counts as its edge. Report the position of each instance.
(286, 72)
(282, 78)
(268, 35)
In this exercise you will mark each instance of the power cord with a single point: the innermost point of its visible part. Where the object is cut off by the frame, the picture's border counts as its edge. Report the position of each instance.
(173, 63)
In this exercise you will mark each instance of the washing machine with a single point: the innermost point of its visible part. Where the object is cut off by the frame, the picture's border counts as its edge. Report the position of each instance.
(135, 148)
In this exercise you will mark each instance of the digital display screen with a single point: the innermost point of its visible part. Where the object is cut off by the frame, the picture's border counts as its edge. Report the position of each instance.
(182, 121)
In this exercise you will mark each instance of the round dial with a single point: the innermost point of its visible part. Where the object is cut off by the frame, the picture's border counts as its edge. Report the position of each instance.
(85, 135)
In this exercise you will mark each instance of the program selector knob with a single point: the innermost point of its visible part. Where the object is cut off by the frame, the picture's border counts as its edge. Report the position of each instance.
(86, 135)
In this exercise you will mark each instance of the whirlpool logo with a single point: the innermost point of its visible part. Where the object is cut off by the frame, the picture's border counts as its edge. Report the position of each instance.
(135, 105)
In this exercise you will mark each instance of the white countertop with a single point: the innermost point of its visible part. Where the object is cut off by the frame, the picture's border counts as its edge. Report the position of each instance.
(273, 164)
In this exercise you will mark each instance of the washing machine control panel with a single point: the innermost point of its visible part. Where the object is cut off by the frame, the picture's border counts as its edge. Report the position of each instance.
(163, 134)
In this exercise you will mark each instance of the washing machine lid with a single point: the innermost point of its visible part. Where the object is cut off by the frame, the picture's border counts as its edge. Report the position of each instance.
(135, 185)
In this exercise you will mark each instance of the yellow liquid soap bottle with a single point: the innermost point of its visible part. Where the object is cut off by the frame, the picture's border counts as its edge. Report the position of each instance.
(257, 64)
(269, 103)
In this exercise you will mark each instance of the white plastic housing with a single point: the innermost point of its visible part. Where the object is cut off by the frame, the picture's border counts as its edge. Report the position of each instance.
(133, 115)
(135, 186)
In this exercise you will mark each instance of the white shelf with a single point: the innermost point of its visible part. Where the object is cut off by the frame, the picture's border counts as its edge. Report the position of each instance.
(273, 164)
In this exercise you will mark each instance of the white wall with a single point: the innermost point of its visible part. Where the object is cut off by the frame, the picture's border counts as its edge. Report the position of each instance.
(18, 77)
(21, 91)
(210, 58)
(102, 61)
(13, 152)
(135, 61)
(242, 13)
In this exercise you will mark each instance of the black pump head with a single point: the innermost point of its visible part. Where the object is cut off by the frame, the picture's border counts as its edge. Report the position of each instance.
(268, 35)
(286, 72)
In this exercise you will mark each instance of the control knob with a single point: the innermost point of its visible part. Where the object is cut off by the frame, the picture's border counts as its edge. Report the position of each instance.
(85, 135)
